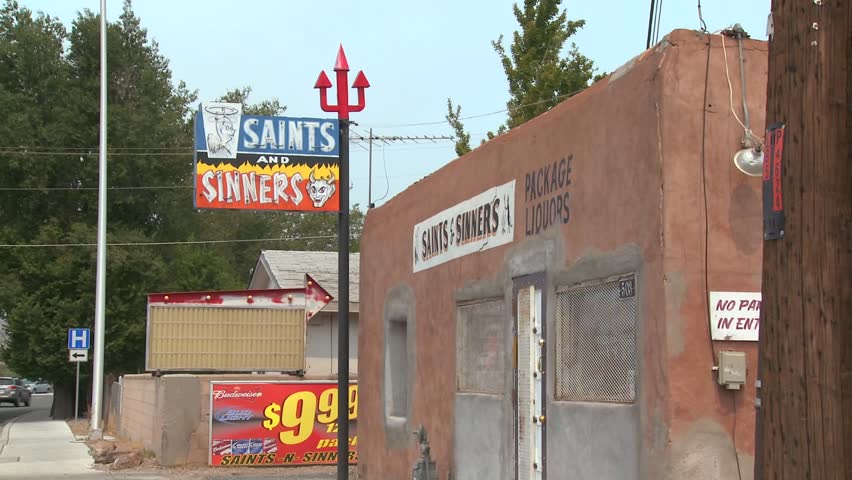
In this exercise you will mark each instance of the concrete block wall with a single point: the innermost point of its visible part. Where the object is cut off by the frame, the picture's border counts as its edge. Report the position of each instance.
(138, 410)
(170, 415)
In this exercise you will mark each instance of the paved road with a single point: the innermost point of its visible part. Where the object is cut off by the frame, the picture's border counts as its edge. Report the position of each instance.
(41, 401)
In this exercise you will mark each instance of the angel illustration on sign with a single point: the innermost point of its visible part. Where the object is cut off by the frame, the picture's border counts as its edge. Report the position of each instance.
(221, 143)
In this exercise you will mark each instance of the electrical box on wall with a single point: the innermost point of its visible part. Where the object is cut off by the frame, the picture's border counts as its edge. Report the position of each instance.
(731, 369)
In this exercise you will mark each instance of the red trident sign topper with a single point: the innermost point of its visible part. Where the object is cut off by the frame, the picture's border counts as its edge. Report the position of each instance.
(341, 68)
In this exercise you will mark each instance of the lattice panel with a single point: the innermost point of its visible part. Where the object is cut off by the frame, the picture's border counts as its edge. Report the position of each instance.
(225, 339)
(479, 348)
(596, 342)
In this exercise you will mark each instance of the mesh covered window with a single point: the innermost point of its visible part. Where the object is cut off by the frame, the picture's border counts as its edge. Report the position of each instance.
(596, 342)
(479, 348)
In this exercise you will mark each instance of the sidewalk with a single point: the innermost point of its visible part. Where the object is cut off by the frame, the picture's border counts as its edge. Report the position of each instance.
(33, 446)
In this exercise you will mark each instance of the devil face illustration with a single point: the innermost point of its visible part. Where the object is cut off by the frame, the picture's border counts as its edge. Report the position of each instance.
(321, 189)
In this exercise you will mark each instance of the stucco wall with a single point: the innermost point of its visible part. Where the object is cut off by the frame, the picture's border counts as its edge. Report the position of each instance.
(726, 222)
(636, 201)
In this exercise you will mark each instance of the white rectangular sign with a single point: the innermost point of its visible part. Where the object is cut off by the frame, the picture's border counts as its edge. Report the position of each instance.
(735, 315)
(78, 355)
(476, 224)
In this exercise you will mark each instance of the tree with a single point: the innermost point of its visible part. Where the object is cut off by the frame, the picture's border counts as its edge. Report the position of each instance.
(269, 107)
(49, 87)
(462, 137)
(539, 76)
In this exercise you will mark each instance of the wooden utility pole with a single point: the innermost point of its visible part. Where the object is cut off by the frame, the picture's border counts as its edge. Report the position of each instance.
(804, 428)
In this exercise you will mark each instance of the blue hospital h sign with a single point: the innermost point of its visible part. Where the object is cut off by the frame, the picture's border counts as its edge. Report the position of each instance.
(78, 338)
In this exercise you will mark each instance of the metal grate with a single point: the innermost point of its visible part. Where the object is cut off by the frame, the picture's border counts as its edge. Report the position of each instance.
(479, 348)
(596, 342)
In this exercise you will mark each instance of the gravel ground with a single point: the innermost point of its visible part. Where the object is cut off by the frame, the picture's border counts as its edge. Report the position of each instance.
(199, 471)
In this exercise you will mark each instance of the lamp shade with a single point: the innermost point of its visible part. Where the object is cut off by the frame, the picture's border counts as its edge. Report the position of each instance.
(749, 161)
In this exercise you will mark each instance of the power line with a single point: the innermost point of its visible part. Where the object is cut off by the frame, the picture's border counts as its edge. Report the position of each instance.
(157, 187)
(654, 23)
(92, 149)
(186, 242)
(89, 189)
(650, 25)
(441, 122)
(167, 151)
(81, 154)
(358, 140)
(387, 182)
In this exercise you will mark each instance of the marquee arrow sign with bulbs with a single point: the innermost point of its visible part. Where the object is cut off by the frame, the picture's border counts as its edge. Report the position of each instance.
(232, 331)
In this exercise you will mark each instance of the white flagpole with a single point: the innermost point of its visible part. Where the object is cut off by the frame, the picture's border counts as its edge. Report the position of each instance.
(96, 432)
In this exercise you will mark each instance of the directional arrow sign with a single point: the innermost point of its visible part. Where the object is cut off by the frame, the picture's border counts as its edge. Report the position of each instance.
(78, 355)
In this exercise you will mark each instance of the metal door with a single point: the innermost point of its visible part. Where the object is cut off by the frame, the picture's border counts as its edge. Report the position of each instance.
(530, 367)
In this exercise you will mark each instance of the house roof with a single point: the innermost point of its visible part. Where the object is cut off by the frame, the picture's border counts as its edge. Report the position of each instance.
(287, 269)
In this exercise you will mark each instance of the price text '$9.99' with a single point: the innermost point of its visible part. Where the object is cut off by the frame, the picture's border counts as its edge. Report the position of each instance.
(300, 411)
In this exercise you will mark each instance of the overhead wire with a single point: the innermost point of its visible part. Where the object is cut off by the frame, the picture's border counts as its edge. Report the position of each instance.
(731, 95)
(94, 153)
(469, 117)
(659, 16)
(650, 25)
(92, 149)
(131, 151)
(387, 181)
(90, 189)
(654, 23)
(706, 246)
(184, 242)
(187, 150)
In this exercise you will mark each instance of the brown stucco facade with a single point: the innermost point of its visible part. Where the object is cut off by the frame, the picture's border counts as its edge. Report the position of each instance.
(653, 192)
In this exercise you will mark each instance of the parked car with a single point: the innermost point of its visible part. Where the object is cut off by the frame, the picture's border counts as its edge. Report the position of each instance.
(12, 390)
(41, 387)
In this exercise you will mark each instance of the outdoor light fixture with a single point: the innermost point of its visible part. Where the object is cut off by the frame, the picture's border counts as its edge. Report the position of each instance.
(750, 161)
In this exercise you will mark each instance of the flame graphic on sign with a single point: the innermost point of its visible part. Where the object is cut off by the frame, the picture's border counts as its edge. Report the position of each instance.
(320, 171)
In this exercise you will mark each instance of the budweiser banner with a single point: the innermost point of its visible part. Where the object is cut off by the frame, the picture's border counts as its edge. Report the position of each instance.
(278, 423)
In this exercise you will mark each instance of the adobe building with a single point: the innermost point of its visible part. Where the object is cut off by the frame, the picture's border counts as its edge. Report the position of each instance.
(542, 305)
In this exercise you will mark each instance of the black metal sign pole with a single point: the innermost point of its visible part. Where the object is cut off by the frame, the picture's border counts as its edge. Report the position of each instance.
(343, 308)
(341, 70)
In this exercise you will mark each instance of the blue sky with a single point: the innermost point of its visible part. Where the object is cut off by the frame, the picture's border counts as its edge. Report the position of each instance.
(415, 55)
